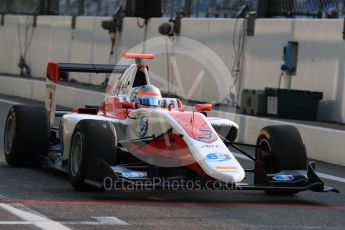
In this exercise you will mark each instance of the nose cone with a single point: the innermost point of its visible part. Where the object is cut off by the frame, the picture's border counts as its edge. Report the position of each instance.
(217, 161)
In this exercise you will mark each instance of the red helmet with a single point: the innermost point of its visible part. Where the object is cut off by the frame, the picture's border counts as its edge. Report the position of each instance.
(148, 96)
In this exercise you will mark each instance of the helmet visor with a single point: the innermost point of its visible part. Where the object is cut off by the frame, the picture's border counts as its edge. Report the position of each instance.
(150, 101)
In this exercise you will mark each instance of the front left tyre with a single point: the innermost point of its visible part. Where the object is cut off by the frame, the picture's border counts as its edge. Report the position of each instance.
(91, 139)
(281, 149)
(26, 135)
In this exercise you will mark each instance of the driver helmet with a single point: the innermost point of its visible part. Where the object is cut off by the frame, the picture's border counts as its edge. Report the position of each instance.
(148, 96)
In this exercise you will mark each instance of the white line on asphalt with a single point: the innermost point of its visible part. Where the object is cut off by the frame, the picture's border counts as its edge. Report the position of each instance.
(15, 223)
(39, 221)
(100, 220)
(31, 217)
(109, 220)
(10, 102)
(331, 177)
(322, 175)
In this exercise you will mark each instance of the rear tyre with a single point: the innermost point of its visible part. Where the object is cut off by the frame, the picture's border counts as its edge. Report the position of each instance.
(91, 138)
(26, 135)
(281, 147)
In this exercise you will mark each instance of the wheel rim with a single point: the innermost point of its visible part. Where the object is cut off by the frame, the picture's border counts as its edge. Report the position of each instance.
(265, 155)
(9, 135)
(76, 154)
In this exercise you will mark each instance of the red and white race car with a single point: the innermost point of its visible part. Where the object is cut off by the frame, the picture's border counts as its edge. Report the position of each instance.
(135, 134)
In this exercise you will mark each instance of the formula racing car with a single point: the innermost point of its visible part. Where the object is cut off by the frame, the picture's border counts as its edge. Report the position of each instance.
(135, 134)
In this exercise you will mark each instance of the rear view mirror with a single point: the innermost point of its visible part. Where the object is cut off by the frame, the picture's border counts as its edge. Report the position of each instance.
(203, 107)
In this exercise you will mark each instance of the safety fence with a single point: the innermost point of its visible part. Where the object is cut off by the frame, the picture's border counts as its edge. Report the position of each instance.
(306, 8)
(187, 8)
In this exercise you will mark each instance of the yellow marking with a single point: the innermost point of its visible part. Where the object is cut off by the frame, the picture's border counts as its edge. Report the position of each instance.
(226, 168)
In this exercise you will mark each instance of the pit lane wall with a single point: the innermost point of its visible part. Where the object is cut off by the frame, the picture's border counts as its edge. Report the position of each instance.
(321, 60)
(322, 144)
(69, 97)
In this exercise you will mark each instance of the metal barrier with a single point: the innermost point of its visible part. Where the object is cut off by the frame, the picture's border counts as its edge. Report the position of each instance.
(309, 8)
(269, 8)
(187, 8)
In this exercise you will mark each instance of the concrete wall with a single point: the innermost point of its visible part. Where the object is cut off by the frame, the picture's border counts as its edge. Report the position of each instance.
(321, 58)
(321, 143)
(36, 90)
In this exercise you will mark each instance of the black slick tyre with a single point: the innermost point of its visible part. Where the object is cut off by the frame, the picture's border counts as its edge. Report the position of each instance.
(281, 148)
(26, 135)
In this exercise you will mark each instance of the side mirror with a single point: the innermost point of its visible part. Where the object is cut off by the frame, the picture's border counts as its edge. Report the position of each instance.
(203, 107)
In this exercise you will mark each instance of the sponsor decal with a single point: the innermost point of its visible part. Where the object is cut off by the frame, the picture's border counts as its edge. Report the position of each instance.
(143, 126)
(227, 168)
(166, 103)
(206, 134)
(283, 178)
(212, 146)
(132, 175)
(217, 157)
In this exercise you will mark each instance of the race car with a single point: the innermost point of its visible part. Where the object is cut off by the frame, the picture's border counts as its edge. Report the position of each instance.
(135, 134)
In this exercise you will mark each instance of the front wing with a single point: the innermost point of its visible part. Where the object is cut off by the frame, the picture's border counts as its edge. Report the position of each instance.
(100, 173)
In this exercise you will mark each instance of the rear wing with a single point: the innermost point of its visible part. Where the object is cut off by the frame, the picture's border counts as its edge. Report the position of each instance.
(54, 70)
